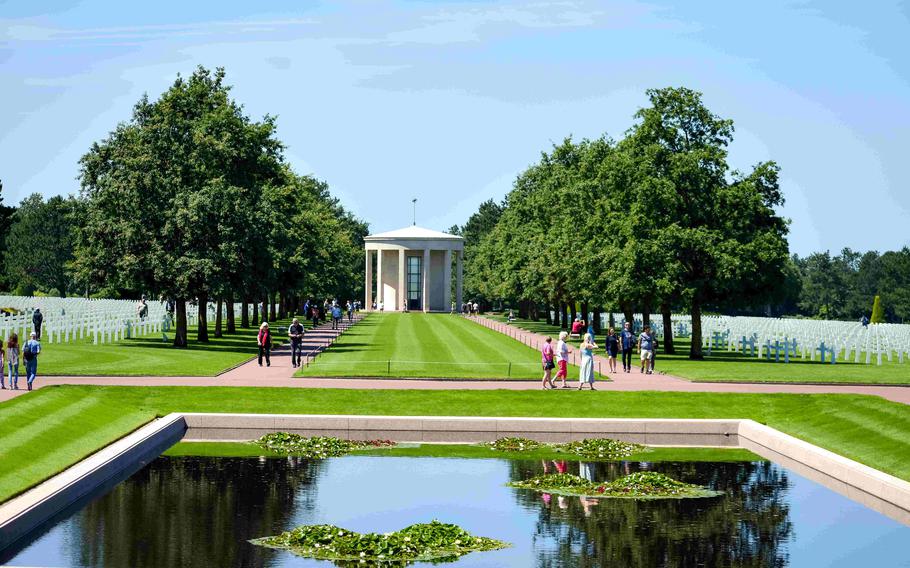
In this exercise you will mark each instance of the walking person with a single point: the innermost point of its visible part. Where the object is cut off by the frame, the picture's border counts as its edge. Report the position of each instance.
(264, 341)
(627, 343)
(30, 352)
(37, 320)
(586, 373)
(12, 360)
(295, 332)
(547, 356)
(314, 314)
(646, 349)
(350, 307)
(336, 316)
(562, 358)
(612, 349)
(2, 369)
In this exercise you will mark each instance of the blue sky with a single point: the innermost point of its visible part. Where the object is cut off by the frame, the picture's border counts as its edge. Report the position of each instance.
(448, 101)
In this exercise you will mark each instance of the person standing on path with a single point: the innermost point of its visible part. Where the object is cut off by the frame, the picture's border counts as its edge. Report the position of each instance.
(37, 320)
(30, 352)
(2, 369)
(264, 341)
(314, 314)
(12, 360)
(586, 373)
(336, 316)
(646, 349)
(627, 342)
(350, 307)
(612, 349)
(547, 356)
(562, 358)
(295, 332)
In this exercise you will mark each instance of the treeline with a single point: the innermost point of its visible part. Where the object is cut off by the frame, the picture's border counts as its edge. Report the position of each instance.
(653, 222)
(189, 199)
(844, 286)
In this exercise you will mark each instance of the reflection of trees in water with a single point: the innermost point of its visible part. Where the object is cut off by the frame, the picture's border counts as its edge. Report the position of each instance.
(746, 527)
(194, 512)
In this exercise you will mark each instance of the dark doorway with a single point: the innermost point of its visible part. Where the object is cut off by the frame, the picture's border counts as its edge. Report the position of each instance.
(415, 264)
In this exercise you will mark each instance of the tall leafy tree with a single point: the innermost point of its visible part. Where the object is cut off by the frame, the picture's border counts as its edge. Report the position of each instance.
(40, 245)
(151, 222)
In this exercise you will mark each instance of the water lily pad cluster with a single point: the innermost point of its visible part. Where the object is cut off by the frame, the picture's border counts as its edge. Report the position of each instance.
(593, 448)
(601, 448)
(316, 447)
(514, 444)
(641, 485)
(420, 542)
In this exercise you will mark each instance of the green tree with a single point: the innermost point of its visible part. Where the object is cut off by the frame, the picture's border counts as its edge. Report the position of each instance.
(40, 245)
(728, 244)
(151, 223)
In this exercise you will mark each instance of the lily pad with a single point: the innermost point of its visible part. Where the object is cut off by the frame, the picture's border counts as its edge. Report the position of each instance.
(316, 447)
(434, 541)
(641, 485)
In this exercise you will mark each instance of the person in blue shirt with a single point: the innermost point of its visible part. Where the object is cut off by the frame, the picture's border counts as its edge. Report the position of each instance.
(30, 352)
(627, 341)
(336, 316)
(646, 349)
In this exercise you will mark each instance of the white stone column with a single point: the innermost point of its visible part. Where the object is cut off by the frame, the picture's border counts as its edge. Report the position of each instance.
(459, 258)
(447, 281)
(368, 281)
(426, 280)
(379, 278)
(402, 295)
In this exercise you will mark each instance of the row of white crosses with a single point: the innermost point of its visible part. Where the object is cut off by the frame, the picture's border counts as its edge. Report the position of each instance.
(76, 319)
(780, 339)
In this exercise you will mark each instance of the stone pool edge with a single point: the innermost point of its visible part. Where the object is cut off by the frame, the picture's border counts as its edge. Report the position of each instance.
(19, 516)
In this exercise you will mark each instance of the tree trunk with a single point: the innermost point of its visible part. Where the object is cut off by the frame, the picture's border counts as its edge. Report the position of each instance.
(270, 297)
(218, 322)
(180, 329)
(646, 314)
(532, 309)
(627, 313)
(695, 349)
(595, 320)
(202, 330)
(585, 313)
(563, 320)
(256, 320)
(668, 329)
(573, 309)
(549, 315)
(245, 313)
(231, 323)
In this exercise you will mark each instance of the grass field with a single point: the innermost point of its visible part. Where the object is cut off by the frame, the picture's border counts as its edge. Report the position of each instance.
(427, 345)
(727, 366)
(151, 355)
(469, 451)
(52, 428)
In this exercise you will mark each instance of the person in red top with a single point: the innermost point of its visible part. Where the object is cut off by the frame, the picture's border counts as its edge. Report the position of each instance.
(264, 341)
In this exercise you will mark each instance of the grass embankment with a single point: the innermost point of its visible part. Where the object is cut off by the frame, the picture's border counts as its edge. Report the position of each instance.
(48, 430)
(467, 451)
(152, 356)
(427, 345)
(727, 366)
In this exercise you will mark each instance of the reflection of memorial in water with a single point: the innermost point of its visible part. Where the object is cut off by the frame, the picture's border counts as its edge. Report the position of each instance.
(748, 526)
(235, 498)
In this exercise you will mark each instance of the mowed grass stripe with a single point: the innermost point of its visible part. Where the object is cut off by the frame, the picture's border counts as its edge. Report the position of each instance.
(17, 438)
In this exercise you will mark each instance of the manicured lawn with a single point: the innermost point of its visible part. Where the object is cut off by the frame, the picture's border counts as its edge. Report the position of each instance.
(54, 427)
(471, 451)
(152, 356)
(427, 345)
(41, 435)
(726, 366)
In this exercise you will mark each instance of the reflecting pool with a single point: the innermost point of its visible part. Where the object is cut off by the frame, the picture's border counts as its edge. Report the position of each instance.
(186, 511)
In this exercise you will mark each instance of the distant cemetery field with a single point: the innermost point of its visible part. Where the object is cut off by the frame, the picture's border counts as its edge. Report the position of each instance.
(109, 338)
(763, 358)
(422, 345)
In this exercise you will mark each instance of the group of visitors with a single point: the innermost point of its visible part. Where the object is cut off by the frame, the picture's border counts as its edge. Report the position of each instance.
(296, 330)
(470, 308)
(11, 352)
(626, 341)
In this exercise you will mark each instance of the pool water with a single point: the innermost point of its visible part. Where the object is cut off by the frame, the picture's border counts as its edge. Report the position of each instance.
(186, 511)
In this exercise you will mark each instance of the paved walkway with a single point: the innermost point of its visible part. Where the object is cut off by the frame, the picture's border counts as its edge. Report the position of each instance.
(280, 374)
